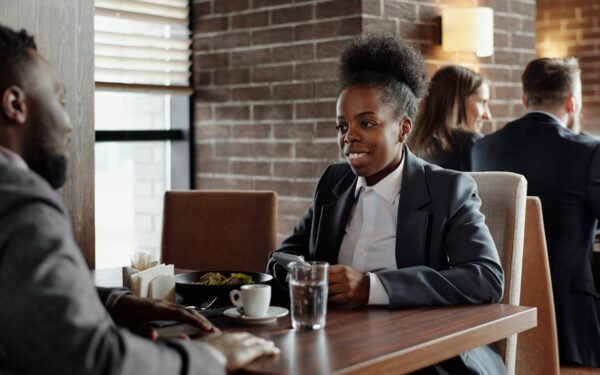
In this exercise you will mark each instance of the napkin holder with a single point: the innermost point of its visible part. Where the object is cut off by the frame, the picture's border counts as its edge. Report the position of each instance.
(157, 282)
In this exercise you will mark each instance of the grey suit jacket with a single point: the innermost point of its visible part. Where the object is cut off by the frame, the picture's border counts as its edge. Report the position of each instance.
(51, 319)
(444, 251)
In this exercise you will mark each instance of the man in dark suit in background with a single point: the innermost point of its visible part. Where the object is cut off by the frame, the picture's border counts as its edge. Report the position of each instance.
(563, 169)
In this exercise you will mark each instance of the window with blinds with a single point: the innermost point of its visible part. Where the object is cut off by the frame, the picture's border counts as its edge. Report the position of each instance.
(142, 43)
(142, 122)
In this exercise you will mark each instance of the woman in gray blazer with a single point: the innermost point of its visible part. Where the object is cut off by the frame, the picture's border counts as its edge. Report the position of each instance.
(397, 230)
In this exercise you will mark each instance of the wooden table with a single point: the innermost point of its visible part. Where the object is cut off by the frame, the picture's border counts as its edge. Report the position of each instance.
(377, 340)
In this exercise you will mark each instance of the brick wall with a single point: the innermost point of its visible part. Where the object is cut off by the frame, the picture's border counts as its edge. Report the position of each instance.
(572, 28)
(265, 82)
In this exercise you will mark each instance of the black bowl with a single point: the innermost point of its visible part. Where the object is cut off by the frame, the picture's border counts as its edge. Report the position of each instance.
(195, 294)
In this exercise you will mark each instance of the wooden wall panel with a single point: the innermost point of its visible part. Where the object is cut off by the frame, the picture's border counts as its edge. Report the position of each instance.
(64, 32)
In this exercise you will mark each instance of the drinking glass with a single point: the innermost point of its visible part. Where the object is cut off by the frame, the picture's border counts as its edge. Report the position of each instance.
(308, 294)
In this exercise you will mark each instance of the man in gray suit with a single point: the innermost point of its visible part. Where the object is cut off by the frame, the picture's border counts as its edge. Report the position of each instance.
(51, 319)
(563, 169)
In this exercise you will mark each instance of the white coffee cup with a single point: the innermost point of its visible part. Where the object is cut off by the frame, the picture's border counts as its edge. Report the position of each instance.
(254, 298)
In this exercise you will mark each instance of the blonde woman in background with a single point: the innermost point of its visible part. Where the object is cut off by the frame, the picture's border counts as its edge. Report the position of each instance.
(451, 117)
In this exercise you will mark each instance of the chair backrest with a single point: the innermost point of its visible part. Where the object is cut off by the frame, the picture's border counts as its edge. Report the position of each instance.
(503, 196)
(538, 347)
(219, 230)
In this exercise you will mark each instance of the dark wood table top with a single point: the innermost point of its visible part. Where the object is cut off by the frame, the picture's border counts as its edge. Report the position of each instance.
(376, 340)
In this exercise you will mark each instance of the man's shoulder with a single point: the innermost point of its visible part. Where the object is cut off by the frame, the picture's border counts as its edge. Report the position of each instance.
(18, 186)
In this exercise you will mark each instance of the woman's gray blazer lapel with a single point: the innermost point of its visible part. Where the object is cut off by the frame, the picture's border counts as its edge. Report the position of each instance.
(334, 217)
(412, 225)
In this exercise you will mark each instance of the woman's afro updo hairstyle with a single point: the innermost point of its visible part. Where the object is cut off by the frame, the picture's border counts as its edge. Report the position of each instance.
(382, 60)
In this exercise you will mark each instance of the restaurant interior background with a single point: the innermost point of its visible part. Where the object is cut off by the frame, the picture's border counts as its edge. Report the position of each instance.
(262, 100)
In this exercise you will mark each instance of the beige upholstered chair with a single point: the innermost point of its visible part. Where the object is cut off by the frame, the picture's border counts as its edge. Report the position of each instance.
(219, 230)
(538, 347)
(503, 196)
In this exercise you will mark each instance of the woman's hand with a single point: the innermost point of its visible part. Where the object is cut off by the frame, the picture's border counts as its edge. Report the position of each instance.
(348, 285)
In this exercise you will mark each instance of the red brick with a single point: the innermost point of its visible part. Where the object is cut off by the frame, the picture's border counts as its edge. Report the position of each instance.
(211, 24)
(274, 150)
(302, 189)
(293, 91)
(400, 10)
(202, 113)
(338, 8)
(206, 165)
(274, 35)
(496, 74)
(227, 6)
(252, 131)
(429, 13)
(506, 58)
(266, 3)
(522, 8)
(201, 43)
(316, 110)
(233, 148)
(508, 92)
(201, 9)
(506, 22)
(246, 20)
(239, 39)
(295, 130)
(211, 60)
(252, 168)
(232, 112)
(314, 70)
(349, 26)
(204, 150)
(331, 48)
(294, 208)
(295, 52)
(274, 73)
(326, 151)
(496, 5)
(231, 76)
(202, 78)
(273, 112)
(501, 40)
(213, 131)
(293, 14)
(220, 183)
(326, 89)
(254, 93)
(212, 95)
(326, 129)
(371, 7)
(381, 25)
(523, 41)
(297, 169)
(251, 57)
(316, 30)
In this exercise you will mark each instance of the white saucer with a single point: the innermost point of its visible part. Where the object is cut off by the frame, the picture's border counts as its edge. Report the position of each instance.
(273, 313)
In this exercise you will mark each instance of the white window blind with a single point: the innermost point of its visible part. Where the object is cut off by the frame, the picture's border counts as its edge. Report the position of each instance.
(142, 44)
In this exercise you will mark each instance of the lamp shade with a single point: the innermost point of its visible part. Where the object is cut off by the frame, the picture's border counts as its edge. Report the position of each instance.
(468, 30)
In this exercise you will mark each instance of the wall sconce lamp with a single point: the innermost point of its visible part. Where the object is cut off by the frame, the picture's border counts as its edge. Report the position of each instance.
(468, 30)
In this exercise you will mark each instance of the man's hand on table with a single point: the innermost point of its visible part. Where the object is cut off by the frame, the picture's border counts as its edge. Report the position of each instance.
(348, 285)
(134, 312)
(240, 348)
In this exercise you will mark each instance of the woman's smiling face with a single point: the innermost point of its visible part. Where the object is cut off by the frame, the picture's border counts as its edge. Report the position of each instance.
(369, 133)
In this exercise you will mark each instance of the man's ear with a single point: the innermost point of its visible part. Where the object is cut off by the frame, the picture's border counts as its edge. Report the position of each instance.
(524, 101)
(14, 104)
(405, 127)
(571, 104)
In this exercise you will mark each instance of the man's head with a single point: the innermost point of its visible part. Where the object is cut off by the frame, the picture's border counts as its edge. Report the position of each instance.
(33, 120)
(553, 85)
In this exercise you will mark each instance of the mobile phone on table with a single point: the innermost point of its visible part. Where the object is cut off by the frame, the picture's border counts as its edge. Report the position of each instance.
(285, 259)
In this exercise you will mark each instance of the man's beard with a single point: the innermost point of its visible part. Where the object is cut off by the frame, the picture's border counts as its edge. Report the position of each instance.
(53, 169)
